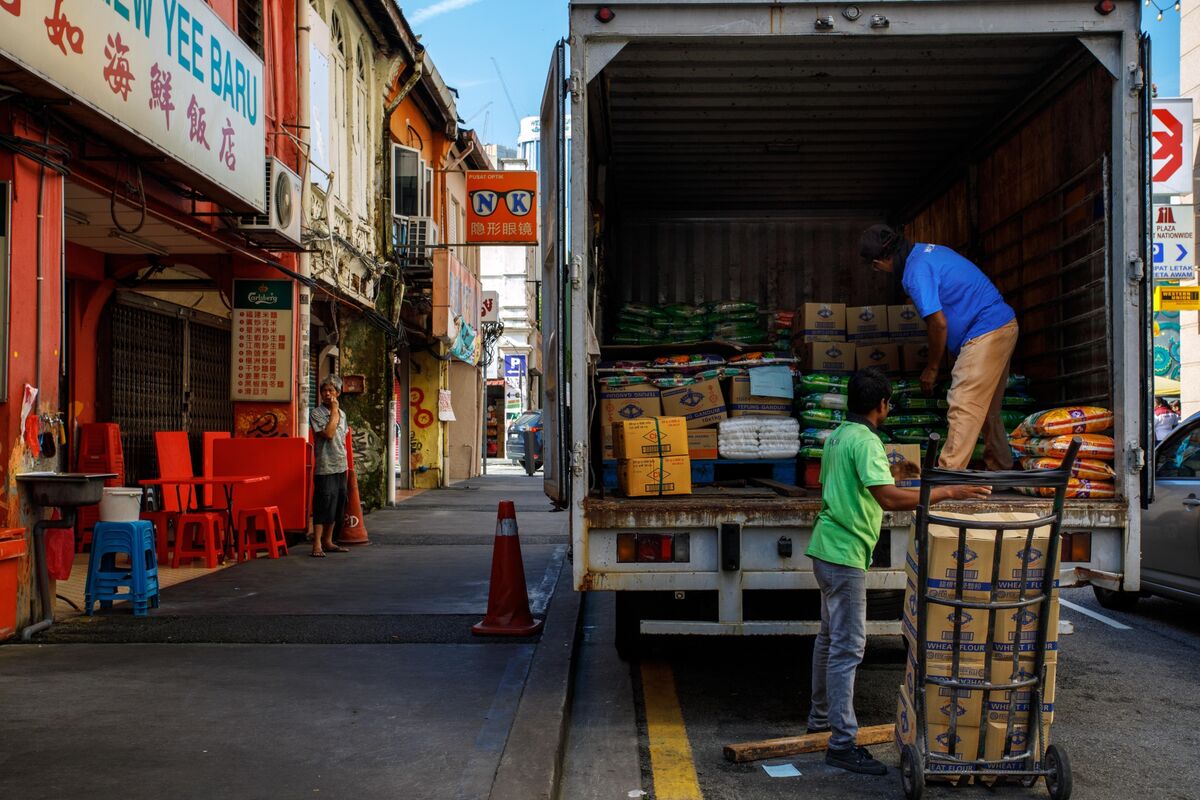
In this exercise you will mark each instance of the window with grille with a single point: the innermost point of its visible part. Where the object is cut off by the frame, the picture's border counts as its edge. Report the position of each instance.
(250, 24)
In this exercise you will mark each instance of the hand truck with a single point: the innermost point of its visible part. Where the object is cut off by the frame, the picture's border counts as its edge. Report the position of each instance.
(1036, 759)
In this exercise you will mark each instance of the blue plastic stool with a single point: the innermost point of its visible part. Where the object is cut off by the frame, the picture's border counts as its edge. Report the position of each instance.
(105, 578)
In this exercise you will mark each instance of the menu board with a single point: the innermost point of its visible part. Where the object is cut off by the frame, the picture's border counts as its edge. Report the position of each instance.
(262, 341)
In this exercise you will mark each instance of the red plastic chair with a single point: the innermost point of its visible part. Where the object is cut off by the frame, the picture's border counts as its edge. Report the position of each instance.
(199, 535)
(99, 451)
(178, 500)
(265, 521)
(213, 496)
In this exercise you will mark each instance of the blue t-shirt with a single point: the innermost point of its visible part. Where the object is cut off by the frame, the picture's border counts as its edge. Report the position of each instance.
(939, 279)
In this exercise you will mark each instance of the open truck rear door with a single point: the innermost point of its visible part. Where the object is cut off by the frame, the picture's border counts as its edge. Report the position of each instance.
(1146, 245)
(556, 298)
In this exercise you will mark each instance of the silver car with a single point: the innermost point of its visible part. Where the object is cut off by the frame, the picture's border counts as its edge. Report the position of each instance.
(1171, 525)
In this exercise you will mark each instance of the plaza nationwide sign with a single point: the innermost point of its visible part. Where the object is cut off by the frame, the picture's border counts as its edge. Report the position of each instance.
(262, 341)
(1174, 243)
(502, 207)
(169, 72)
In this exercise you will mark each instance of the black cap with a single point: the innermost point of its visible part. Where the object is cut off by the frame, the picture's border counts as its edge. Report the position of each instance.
(878, 242)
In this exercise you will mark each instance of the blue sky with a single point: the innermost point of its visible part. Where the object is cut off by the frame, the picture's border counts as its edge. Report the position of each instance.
(463, 36)
(1164, 48)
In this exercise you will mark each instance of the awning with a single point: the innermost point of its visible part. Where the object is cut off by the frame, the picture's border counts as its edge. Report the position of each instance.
(1165, 387)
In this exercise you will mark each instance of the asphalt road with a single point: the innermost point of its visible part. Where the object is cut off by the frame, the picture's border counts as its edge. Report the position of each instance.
(1127, 708)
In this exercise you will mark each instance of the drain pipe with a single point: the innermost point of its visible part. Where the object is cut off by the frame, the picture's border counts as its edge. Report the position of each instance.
(304, 317)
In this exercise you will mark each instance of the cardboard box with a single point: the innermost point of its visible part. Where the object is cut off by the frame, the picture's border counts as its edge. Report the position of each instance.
(904, 322)
(1017, 627)
(626, 402)
(997, 732)
(654, 477)
(824, 322)
(914, 357)
(940, 702)
(867, 325)
(966, 737)
(944, 557)
(650, 437)
(703, 444)
(701, 404)
(744, 404)
(1002, 672)
(905, 461)
(827, 357)
(939, 630)
(884, 356)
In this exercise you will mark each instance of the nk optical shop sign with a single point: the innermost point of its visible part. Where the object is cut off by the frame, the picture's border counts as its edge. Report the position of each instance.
(170, 72)
(502, 207)
(1174, 243)
(262, 341)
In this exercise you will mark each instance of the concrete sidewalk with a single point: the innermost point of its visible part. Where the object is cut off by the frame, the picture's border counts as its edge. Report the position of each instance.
(350, 676)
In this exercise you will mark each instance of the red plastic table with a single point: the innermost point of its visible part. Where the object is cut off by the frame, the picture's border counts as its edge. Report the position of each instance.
(227, 484)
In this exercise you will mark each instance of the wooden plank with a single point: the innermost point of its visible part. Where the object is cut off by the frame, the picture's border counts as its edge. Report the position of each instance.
(795, 745)
(785, 489)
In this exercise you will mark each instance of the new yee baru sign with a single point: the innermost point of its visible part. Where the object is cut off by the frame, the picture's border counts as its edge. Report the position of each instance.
(169, 72)
(1171, 146)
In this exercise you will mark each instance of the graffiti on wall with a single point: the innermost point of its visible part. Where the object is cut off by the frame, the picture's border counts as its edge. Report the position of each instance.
(368, 450)
(1166, 344)
(271, 423)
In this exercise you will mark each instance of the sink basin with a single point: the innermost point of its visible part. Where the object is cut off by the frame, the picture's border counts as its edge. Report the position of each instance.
(64, 489)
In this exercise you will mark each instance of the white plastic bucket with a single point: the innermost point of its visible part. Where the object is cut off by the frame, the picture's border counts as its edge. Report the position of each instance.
(120, 504)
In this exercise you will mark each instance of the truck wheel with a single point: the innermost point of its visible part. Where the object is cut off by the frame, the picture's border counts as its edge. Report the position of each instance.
(885, 604)
(1116, 601)
(628, 625)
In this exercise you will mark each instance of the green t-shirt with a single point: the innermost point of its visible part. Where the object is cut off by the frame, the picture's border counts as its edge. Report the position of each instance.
(848, 526)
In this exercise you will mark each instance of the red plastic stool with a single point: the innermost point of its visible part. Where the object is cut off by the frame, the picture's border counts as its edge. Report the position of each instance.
(162, 529)
(206, 528)
(267, 521)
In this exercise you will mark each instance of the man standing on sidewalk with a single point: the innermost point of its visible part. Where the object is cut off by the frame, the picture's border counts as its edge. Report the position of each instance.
(328, 425)
(856, 487)
(964, 312)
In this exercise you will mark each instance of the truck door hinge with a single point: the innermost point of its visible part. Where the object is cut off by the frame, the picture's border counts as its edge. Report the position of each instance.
(577, 460)
(1137, 458)
(574, 86)
(576, 272)
(1137, 79)
(1137, 268)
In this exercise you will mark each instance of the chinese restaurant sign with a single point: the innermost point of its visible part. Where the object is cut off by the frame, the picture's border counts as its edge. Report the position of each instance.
(262, 341)
(168, 71)
(501, 207)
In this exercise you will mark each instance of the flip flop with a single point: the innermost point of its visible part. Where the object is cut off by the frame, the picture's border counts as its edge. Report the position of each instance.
(316, 555)
(337, 549)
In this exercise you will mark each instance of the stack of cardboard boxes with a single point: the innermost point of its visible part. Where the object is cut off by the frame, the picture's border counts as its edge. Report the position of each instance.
(652, 456)
(979, 719)
(837, 338)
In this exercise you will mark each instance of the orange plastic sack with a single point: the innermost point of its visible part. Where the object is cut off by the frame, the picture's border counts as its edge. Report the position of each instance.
(1094, 446)
(1077, 489)
(1087, 468)
(1059, 421)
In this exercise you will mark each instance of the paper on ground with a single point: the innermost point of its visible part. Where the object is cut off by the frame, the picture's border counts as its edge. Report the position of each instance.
(782, 770)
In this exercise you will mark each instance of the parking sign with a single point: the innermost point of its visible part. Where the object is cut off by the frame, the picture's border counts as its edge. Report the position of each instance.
(514, 366)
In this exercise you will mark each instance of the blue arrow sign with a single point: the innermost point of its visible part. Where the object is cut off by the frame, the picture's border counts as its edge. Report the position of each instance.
(1183, 253)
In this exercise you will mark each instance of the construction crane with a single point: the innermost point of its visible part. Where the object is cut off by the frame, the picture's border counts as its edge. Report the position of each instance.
(504, 86)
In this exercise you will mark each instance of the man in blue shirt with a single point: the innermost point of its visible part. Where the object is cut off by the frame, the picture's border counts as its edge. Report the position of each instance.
(965, 314)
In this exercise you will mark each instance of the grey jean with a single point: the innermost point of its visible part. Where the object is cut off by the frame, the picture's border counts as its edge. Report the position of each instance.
(838, 650)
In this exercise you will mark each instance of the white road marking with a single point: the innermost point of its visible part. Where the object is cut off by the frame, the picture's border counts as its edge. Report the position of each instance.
(1112, 623)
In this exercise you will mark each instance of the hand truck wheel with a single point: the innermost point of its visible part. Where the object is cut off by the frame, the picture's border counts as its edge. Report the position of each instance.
(1058, 782)
(912, 773)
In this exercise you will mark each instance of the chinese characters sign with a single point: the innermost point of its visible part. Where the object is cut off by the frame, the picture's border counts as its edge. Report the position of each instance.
(501, 207)
(142, 64)
(262, 341)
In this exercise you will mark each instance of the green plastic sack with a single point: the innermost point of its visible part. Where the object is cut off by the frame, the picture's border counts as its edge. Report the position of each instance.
(812, 452)
(822, 417)
(919, 402)
(823, 382)
(825, 400)
(912, 420)
(909, 435)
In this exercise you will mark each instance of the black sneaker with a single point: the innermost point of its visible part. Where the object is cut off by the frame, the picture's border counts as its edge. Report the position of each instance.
(855, 759)
(818, 729)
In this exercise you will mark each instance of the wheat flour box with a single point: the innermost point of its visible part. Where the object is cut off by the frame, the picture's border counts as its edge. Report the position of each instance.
(744, 404)
(941, 703)
(702, 404)
(828, 357)
(904, 322)
(625, 403)
(824, 322)
(884, 356)
(867, 324)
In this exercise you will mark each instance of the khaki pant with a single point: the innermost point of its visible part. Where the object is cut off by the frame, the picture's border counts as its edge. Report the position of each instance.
(977, 386)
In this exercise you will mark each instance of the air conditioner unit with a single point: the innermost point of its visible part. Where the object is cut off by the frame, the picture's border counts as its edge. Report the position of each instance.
(422, 234)
(279, 227)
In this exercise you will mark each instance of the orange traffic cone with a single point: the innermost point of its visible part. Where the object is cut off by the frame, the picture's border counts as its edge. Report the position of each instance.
(508, 601)
(354, 528)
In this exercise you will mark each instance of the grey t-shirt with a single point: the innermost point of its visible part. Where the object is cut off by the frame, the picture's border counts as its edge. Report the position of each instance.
(330, 455)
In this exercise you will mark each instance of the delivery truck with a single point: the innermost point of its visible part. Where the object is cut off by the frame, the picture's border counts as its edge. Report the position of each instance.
(735, 151)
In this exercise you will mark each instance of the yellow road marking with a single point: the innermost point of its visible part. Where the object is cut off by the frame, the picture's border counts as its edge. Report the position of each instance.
(670, 753)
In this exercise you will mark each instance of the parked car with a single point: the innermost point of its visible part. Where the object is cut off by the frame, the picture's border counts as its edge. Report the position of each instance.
(1171, 525)
(531, 421)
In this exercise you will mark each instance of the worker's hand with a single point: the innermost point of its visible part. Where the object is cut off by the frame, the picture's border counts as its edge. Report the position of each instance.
(929, 380)
(333, 404)
(969, 492)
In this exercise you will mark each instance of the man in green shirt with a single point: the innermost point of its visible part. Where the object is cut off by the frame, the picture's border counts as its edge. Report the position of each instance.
(856, 487)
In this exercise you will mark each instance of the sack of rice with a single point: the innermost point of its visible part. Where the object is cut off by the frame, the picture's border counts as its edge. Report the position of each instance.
(1085, 468)
(822, 417)
(1077, 488)
(1060, 421)
(1093, 445)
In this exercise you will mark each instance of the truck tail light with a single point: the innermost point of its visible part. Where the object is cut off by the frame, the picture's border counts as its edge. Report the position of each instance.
(605, 14)
(1106, 7)
(1076, 547)
(653, 548)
